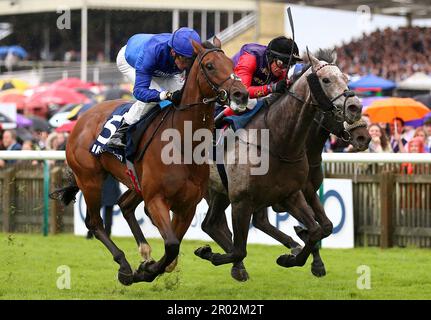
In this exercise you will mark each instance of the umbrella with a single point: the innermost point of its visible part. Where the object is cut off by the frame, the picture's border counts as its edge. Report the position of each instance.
(55, 95)
(67, 127)
(16, 50)
(386, 110)
(117, 93)
(39, 124)
(418, 122)
(79, 110)
(72, 83)
(13, 84)
(22, 121)
(424, 98)
(24, 134)
(372, 82)
(367, 101)
(13, 97)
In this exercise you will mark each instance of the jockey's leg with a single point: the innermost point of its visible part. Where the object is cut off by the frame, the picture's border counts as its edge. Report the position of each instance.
(126, 69)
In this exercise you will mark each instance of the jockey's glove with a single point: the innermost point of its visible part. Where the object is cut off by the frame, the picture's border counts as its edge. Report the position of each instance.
(174, 97)
(280, 86)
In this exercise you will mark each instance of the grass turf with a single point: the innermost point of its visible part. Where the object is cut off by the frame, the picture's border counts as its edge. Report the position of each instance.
(28, 270)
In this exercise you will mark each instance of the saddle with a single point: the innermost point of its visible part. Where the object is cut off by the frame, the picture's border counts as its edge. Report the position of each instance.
(133, 137)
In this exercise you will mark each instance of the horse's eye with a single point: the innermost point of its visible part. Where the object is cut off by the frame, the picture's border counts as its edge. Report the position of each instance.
(326, 80)
(209, 66)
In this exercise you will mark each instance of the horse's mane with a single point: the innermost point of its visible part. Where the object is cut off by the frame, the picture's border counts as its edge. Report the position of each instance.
(321, 54)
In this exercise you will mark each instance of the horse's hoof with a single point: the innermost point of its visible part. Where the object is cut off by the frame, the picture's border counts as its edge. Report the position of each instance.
(125, 279)
(204, 252)
(145, 266)
(318, 269)
(295, 251)
(239, 274)
(287, 260)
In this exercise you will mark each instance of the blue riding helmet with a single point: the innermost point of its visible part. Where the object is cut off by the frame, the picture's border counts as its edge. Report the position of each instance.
(181, 42)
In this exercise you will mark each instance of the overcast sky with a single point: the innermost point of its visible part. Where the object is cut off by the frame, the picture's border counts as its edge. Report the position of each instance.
(324, 28)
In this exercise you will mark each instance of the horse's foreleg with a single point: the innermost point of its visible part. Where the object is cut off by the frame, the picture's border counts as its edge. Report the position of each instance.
(241, 215)
(159, 211)
(128, 203)
(92, 195)
(261, 222)
(299, 209)
(215, 225)
(180, 223)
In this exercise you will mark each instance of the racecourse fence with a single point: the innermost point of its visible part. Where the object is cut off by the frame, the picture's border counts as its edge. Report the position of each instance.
(391, 196)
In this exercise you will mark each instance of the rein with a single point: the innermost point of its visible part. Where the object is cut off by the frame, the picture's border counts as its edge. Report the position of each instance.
(222, 96)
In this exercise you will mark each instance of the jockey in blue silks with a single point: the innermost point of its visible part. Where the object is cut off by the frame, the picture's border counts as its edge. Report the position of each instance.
(154, 64)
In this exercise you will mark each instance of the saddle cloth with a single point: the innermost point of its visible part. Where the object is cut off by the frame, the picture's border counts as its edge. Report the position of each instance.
(133, 135)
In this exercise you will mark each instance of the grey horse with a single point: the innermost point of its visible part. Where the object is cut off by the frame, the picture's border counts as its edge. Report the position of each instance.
(289, 121)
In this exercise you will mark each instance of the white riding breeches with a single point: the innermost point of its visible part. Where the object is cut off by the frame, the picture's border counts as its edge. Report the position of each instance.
(139, 108)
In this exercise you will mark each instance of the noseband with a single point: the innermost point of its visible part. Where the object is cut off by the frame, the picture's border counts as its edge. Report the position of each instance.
(322, 99)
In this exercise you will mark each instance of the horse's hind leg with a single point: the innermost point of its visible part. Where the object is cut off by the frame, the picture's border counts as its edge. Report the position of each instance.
(299, 209)
(160, 217)
(128, 203)
(317, 266)
(92, 194)
(261, 222)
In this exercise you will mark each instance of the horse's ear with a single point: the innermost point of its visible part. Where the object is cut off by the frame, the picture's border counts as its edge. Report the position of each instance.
(217, 42)
(334, 56)
(197, 47)
(313, 60)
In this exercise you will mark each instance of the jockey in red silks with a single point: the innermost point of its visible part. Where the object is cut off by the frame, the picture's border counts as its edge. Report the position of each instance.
(263, 69)
(154, 64)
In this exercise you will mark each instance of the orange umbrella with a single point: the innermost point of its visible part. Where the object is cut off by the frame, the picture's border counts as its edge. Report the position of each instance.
(385, 110)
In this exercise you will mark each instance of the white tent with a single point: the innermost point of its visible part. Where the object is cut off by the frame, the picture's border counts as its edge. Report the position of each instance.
(418, 81)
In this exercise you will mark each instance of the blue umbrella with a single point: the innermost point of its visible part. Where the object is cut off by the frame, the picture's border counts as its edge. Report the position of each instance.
(372, 81)
(16, 50)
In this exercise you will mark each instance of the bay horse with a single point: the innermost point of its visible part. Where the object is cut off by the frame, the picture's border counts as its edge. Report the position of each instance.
(289, 121)
(165, 187)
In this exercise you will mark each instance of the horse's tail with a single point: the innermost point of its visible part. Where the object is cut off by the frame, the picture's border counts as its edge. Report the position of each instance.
(66, 194)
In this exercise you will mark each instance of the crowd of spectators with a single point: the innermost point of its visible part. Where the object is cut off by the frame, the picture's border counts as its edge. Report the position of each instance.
(41, 140)
(391, 54)
(394, 137)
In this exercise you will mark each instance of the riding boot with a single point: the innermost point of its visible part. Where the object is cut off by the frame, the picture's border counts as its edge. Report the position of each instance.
(118, 139)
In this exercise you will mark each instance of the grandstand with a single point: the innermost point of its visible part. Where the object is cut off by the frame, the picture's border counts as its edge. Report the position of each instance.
(102, 27)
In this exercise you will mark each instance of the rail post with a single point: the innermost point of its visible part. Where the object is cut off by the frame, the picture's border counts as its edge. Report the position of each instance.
(386, 205)
(8, 198)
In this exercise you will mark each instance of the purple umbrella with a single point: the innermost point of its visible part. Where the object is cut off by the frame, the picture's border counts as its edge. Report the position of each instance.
(22, 121)
(418, 122)
(369, 100)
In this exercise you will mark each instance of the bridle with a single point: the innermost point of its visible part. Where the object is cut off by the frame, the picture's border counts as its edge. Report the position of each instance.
(324, 103)
(222, 95)
(343, 134)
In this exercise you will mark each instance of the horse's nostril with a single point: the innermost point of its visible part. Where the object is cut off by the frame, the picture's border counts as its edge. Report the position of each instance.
(353, 108)
(237, 94)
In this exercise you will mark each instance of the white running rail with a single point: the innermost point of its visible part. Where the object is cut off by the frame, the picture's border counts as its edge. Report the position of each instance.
(327, 157)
